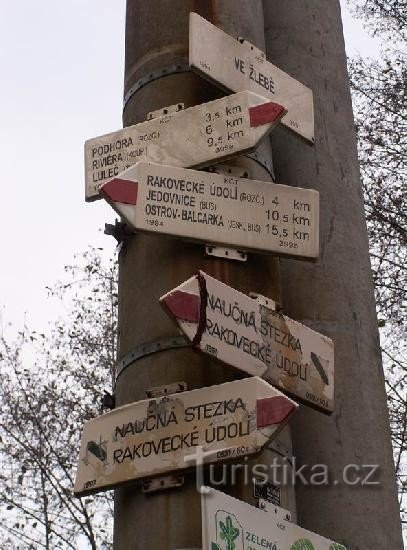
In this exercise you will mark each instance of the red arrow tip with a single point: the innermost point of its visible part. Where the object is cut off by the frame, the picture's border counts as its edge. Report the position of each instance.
(273, 410)
(266, 113)
(119, 190)
(183, 305)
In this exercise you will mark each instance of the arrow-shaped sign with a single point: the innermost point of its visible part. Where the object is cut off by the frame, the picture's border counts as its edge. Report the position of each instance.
(217, 209)
(154, 436)
(199, 136)
(236, 66)
(241, 332)
(228, 523)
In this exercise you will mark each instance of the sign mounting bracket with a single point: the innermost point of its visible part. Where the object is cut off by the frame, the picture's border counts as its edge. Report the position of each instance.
(166, 111)
(223, 252)
(280, 513)
(260, 54)
(266, 302)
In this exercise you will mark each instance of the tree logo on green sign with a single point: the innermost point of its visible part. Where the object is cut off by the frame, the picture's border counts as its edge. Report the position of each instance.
(302, 544)
(305, 544)
(229, 531)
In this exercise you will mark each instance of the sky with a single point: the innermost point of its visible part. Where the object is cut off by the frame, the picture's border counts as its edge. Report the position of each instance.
(62, 69)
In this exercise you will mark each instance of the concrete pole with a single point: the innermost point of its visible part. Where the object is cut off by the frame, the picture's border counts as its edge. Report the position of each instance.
(157, 40)
(335, 296)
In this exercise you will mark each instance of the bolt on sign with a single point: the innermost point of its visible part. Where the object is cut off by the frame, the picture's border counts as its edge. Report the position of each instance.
(217, 209)
(235, 66)
(153, 436)
(231, 524)
(199, 136)
(240, 331)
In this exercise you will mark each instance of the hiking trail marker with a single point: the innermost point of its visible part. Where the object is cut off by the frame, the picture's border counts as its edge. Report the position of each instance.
(217, 209)
(152, 437)
(199, 136)
(230, 523)
(238, 65)
(241, 332)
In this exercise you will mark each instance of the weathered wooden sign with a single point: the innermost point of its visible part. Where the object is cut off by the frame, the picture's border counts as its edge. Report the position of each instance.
(241, 332)
(198, 136)
(236, 66)
(153, 436)
(228, 523)
(217, 209)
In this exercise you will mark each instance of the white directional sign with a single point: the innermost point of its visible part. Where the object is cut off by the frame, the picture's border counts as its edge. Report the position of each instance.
(154, 436)
(228, 523)
(237, 66)
(241, 332)
(198, 136)
(217, 209)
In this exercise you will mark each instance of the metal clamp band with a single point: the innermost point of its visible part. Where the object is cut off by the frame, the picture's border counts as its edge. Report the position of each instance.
(260, 159)
(180, 67)
(162, 344)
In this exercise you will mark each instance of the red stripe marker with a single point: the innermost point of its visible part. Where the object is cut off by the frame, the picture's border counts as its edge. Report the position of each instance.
(273, 410)
(266, 113)
(120, 190)
(183, 305)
